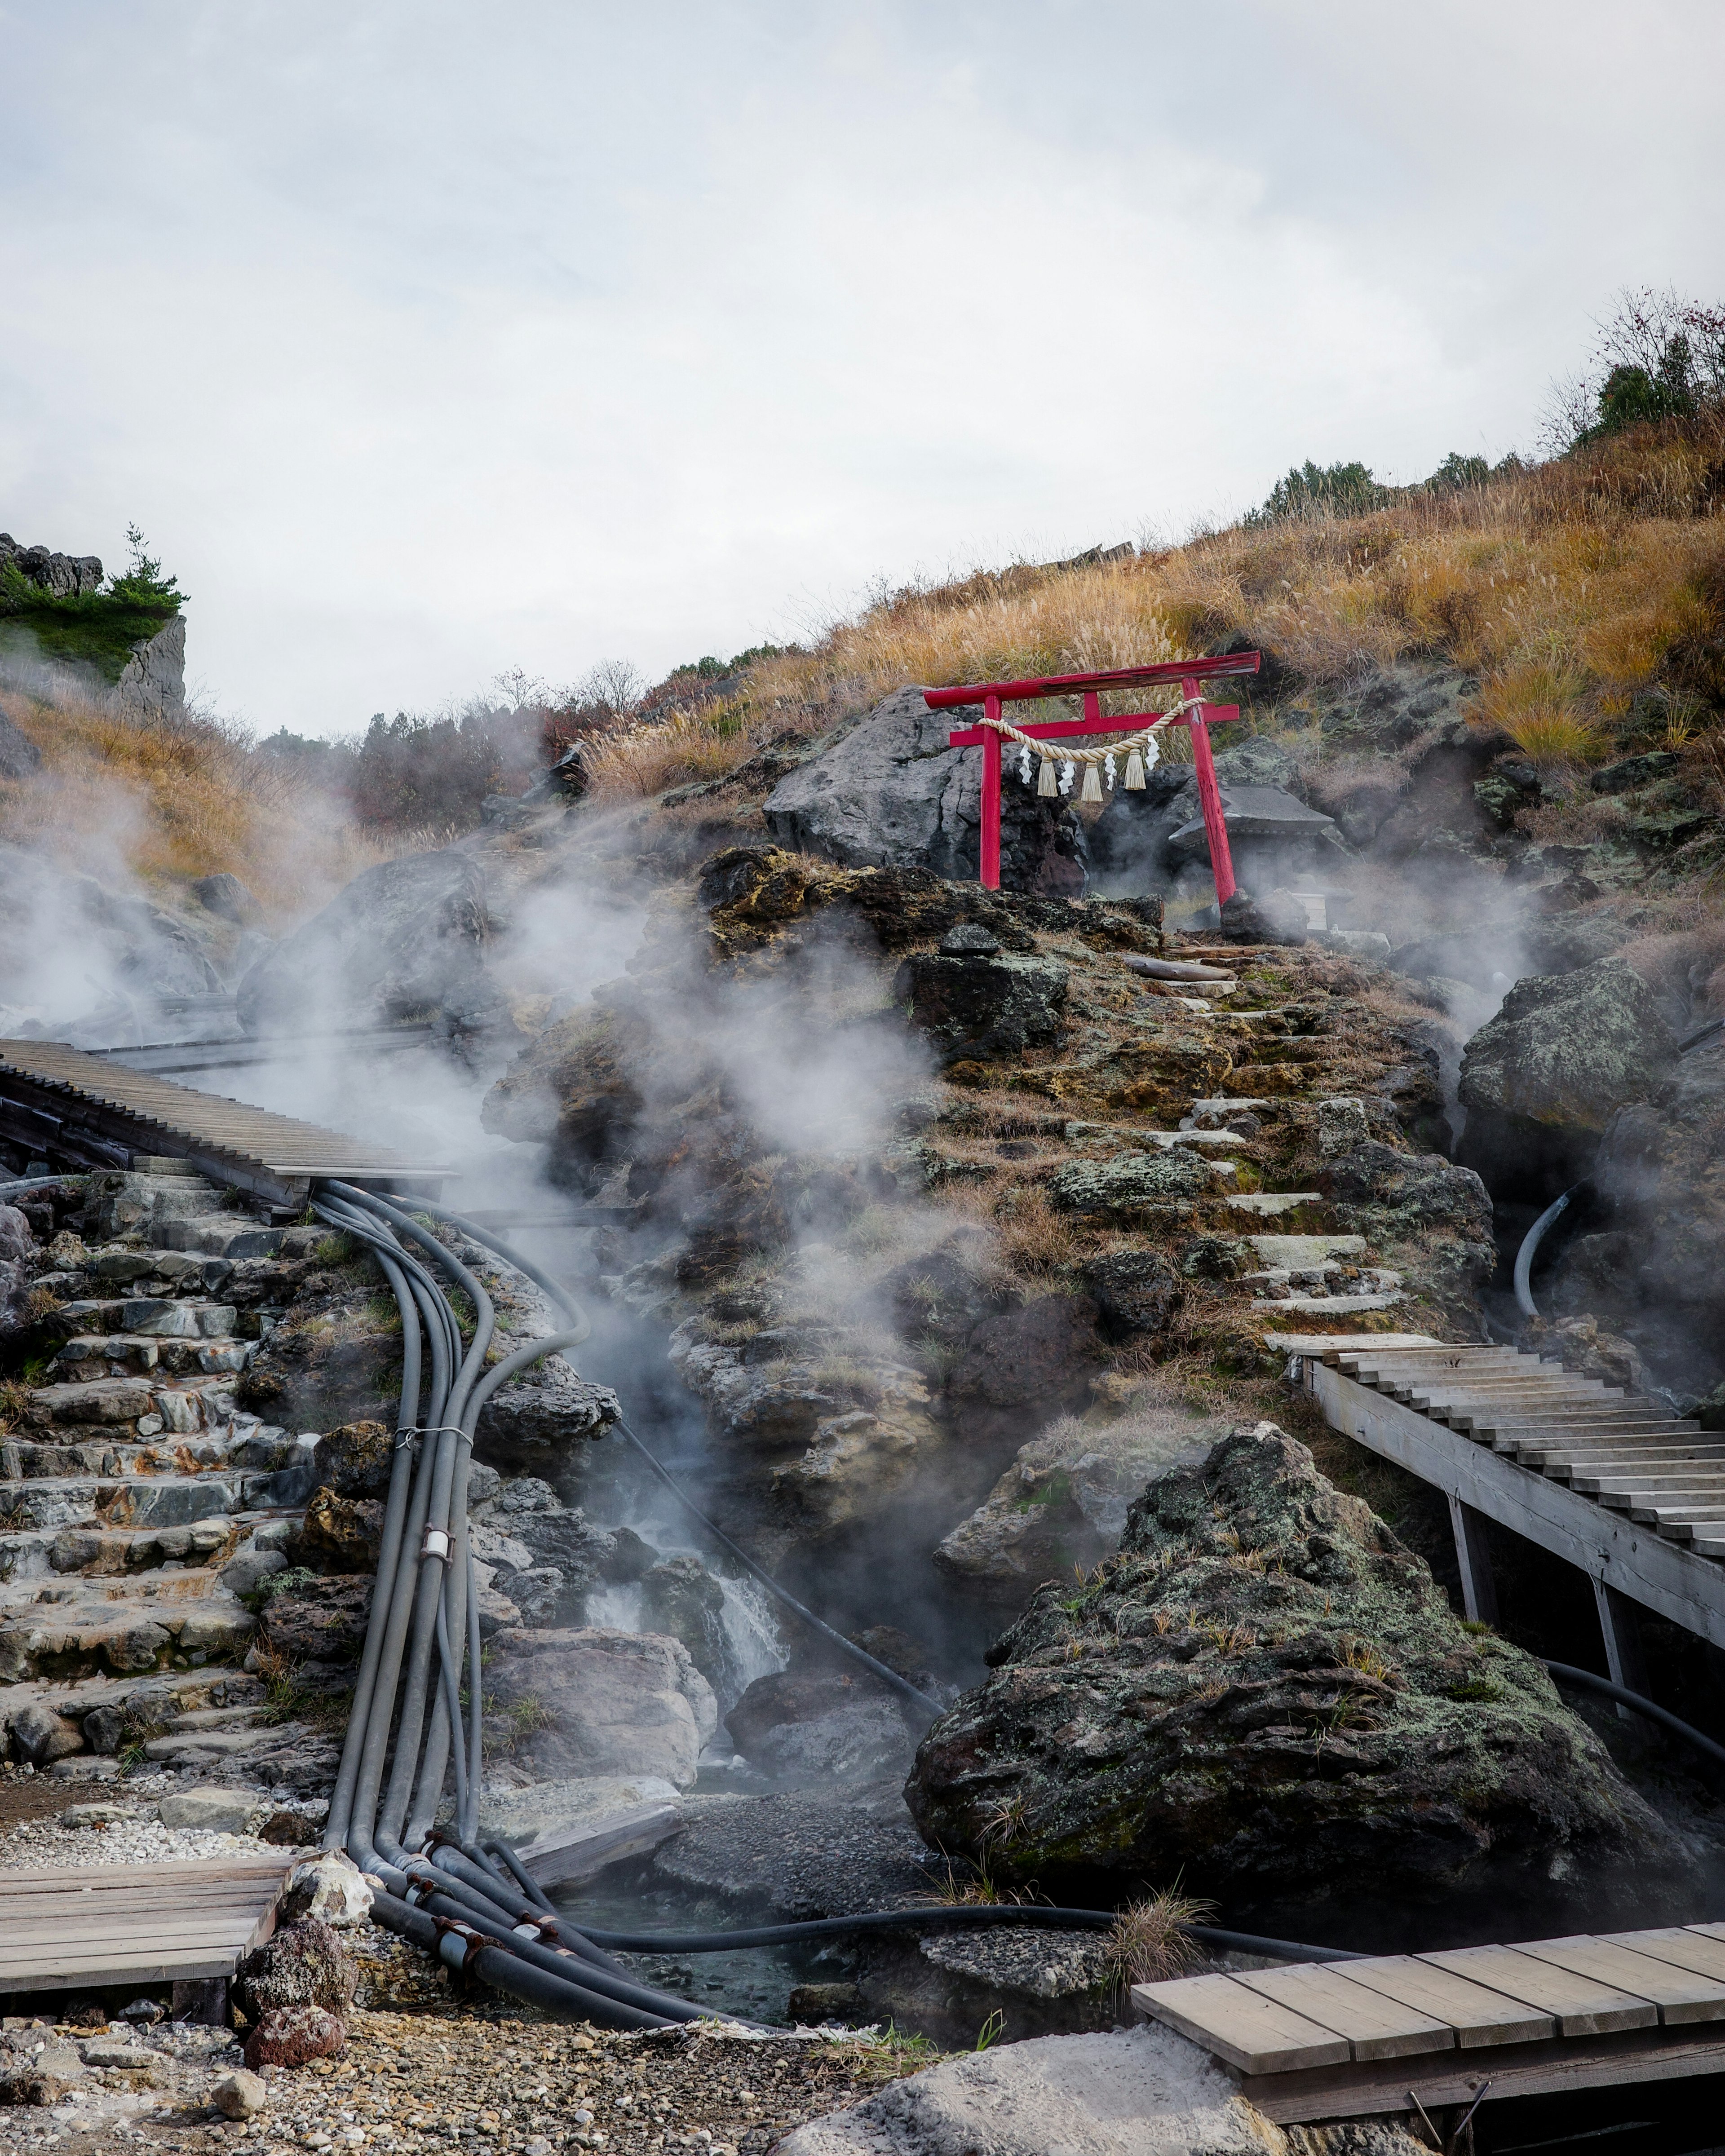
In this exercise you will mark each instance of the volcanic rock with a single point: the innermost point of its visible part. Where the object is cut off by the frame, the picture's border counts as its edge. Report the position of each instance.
(1118, 2093)
(596, 1701)
(1133, 1184)
(1541, 1080)
(319, 1620)
(1267, 1695)
(1063, 1503)
(41, 1735)
(293, 2036)
(1136, 1291)
(404, 939)
(1024, 1365)
(355, 1460)
(1437, 1216)
(681, 1597)
(972, 1004)
(302, 1964)
(892, 792)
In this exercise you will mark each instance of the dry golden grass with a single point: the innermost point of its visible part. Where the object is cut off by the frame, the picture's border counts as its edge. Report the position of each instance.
(1568, 587)
(170, 803)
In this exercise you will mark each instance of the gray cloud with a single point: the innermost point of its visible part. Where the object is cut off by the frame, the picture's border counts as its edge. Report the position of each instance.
(425, 340)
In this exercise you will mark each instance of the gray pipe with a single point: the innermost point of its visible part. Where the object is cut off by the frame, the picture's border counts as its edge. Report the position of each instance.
(1530, 1244)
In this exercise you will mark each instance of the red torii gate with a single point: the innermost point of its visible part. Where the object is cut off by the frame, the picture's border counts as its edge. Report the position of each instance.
(1187, 672)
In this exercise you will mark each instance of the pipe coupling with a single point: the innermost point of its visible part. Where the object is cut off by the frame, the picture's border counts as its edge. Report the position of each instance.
(437, 1544)
(457, 1944)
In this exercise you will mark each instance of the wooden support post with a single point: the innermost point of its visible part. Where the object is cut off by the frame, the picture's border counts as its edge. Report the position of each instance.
(1479, 1590)
(1624, 1660)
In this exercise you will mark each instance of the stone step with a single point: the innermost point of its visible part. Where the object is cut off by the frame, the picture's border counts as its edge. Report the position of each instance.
(110, 1409)
(218, 1718)
(1334, 1305)
(87, 1357)
(1270, 1204)
(142, 1628)
(1295, 1253)
(98, 1551)
(123, 1268)
(209, 1743)
(133, 1500)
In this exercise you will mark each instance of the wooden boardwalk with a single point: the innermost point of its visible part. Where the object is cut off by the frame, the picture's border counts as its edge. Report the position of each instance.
(1613, 1484)
(1338, 2040)
(145, 1923)
(91, 1111)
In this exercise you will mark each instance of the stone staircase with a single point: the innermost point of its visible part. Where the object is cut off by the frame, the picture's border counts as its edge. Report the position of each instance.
(1300, 1267)
(140, 1506)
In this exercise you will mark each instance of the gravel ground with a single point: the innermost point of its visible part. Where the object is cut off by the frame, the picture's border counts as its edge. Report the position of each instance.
(452, 2078)
(43, 1844)
(801, 1856)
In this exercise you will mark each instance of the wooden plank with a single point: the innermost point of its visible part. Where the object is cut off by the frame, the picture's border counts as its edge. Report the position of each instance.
(212, 1927)
(1661, 1575)
(1327, 1345)
(1248, 2030)
(140, 1893)
(581, 1852)
(1681, 1994)
(1479, 2017)
(1376, 2025)
(1683, 1947)
(1584, 2007)
(88, 1877)
(142, 1968)
(1374, 2086)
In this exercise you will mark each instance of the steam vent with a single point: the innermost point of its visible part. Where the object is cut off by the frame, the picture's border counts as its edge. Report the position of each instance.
(816, 1412)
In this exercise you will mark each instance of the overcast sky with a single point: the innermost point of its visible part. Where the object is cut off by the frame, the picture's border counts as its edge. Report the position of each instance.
(427, 341)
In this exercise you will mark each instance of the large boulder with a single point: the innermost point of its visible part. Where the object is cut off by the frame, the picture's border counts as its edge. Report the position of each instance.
(1541, 1080)
(1120, 2093)
(1020, 1367)
(972, 1000)
(891, 792)
(405, 939)
(1436, 1216)
(1063, 1502)
(1267, 1695)
(598, 1701)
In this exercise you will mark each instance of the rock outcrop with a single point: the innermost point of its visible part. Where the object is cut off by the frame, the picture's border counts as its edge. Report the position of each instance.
(1266, 1694)
(598, 1701)
(1114, 2094)
(1155, 840)
(1541, 1079)
(891, 791)
(61, 576)
(1061, 1507)
(405, 939)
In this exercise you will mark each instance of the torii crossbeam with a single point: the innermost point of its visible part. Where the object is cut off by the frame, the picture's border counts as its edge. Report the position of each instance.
(1199, 717)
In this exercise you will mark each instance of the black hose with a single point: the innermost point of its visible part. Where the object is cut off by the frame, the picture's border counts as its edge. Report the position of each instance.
(945, 1917)
(504, 1971)
(474, 1916)
(1567, 1674)
(1715, 1025)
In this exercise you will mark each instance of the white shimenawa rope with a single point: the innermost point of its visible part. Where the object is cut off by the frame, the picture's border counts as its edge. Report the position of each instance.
(1139, 750)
